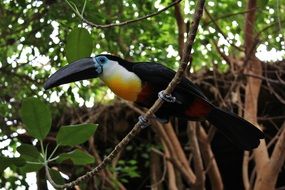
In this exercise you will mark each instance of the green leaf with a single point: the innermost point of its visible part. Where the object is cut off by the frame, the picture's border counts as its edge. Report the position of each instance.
(17, 161)
(262, 3)
(78, 157)
(36, 116)
(22, 3)
(32, 156)
(29, 152)
(75, 134)
(6, 162)
(31, 167)
(3, 109)
(79, 44)
(56, 177)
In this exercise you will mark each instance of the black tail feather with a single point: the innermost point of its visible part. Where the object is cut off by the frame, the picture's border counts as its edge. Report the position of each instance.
(239, 131)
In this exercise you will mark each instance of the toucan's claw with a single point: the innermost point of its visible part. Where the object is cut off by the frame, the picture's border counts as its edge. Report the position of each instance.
(143, 122)
(166, 97)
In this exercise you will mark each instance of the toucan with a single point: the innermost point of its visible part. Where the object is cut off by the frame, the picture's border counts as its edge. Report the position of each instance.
(141, 82)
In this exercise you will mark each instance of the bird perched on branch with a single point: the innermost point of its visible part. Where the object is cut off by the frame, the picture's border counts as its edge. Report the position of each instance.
(143, 82)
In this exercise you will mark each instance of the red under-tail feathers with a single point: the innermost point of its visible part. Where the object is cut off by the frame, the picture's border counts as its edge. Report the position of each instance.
(239, 131)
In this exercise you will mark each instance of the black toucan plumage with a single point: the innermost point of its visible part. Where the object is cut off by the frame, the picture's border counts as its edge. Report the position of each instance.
(141, 82)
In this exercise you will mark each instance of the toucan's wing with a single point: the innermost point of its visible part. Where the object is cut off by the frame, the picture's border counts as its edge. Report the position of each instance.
(158, 74)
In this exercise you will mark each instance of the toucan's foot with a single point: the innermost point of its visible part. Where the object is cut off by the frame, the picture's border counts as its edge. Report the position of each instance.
(143, 122)
(166, 97)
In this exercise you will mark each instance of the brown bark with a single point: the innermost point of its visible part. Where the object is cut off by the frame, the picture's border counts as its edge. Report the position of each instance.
(41, 180)
(210, 162)
(178, 149)
(254, 66)
(252, 92)
(198, 163)
(155, 172)
(181, 28)
(277, 158)
(170, 171)
(245, 177)
(268, 177)
(178, 166)
(253, 85)
(179, 159)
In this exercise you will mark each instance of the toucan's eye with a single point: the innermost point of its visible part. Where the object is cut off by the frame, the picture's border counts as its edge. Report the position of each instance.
(102, 60)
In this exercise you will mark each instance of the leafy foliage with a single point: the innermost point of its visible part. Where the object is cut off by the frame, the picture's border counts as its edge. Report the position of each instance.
(36, 116)
(78, 157)
(78, 45)
(34, 161)
(57, 178)
(75, 134)
(127, 170)
(8, 162)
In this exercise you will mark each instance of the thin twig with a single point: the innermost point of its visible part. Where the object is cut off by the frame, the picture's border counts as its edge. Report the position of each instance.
(256, 41)
(278, 155)
(157, 183)
(175, 151)
(172, 181)
(245, 177)
(262, 78)
(175, 162)
(198, 163)
(124, 22)
(222, 54)
(220, 30)
(178, 150)
(226, 16)
(181, 28)
(210, 162)
(271, 89)
(276, 137)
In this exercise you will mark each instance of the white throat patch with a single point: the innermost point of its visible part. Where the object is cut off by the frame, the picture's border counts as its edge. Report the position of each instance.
(122, 82)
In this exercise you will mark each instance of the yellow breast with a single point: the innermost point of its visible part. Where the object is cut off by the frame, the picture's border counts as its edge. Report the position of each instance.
(126, 88)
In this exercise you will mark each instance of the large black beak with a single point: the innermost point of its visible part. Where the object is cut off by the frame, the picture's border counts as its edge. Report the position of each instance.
(79, 70)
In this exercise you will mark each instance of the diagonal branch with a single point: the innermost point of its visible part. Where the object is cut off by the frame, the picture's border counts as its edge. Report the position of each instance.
(138, 126)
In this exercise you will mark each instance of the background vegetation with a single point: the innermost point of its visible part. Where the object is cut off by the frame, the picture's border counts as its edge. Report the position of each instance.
(238, 61)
